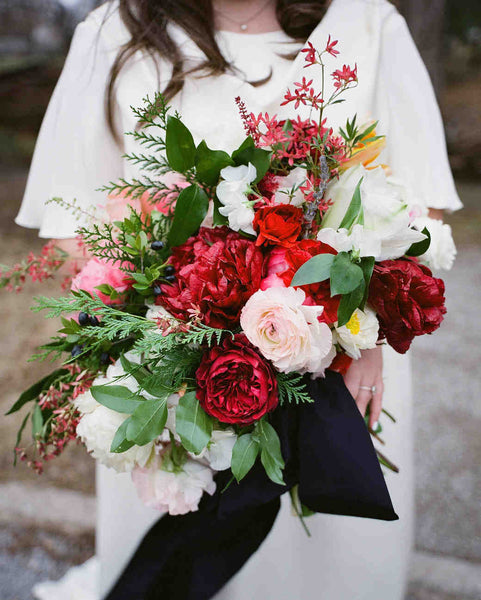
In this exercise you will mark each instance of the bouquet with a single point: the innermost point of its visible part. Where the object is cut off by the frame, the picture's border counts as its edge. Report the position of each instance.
(217, 285)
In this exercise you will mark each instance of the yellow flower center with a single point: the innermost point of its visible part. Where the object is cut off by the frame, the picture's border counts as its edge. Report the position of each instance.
(353, 324)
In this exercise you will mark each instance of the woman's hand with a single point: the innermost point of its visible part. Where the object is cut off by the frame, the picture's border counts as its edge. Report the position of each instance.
(366, 372)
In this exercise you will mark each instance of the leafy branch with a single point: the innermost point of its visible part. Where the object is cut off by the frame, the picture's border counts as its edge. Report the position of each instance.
(292, 388)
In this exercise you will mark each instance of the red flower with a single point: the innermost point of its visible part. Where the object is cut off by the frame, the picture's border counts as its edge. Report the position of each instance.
(217, 271)
(235, 384)
(344, 76)
(408, 301)
(282, 264)
(341, 363)
(310, 57)
(330, 47)
(279, 224)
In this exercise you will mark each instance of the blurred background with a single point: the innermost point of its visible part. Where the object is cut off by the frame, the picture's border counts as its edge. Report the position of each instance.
(47, 524)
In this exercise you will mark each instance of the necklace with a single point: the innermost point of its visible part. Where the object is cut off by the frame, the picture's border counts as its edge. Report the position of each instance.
(243, 25)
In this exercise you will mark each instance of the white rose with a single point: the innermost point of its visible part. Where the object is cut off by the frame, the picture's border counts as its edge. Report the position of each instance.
(97, 429)
(289, 191)
(176, 493)
(360, 332)
(385, 209)
(286, 331)
(232, 193)
(442, 250)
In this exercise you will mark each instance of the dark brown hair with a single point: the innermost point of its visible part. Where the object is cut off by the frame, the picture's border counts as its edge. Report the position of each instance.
(147, 22)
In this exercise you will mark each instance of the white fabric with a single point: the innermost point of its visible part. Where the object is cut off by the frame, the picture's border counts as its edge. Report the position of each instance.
(346, 558)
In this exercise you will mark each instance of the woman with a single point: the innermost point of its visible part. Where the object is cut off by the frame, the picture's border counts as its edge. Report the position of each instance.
(248, 47)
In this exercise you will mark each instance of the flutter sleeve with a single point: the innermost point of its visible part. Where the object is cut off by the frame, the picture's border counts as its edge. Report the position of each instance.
(406, 107)
(75, 152)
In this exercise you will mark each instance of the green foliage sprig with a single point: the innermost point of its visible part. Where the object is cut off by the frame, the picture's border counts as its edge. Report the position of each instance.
(292, 389)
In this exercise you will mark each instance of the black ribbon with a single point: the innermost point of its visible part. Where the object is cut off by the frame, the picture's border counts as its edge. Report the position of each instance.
(328, 453)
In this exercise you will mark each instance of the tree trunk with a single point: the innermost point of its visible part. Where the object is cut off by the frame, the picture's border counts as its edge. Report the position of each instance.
(426, 19)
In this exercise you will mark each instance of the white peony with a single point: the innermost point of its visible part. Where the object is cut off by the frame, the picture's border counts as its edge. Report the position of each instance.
(385, 209)
(360, 240)
(289, 191)
(360, 332)
(232, 193)
(286, 331)
(176, 493)
(97, 429)
(442, 250)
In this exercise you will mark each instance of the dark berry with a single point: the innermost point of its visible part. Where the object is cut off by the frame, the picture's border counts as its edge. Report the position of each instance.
(104, 358)
(76, 350)
(157, 290)
(170, 278)
(157, 245)
(169, 270)
(83, 318)
(94, 321)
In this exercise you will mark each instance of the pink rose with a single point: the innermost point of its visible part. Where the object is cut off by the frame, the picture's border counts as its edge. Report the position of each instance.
(287, 331)
(96, 272)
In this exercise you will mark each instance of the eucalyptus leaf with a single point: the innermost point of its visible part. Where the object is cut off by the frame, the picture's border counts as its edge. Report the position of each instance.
(116, 397)
(36, 389)
(349, 303)
(217, 218)
(244, 455)
(179, 145)
(421, 247)
(354, 210)
(120, 443)
(345, 275)
(192, 423)
(209, 163)
(271, 455)
(147, 421)
(316, 269)
(190, 209)
(367, 266)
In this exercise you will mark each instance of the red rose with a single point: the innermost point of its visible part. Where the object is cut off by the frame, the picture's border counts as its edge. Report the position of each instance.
(341, 363)
(408, 301)
(235, 384)
(217, 271)
(280, 224)
(282, 264)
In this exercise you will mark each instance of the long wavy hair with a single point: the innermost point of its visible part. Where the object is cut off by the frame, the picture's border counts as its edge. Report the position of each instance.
(147, 22)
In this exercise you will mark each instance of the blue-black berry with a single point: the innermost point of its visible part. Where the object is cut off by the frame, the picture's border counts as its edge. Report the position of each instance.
(76, 350)
(157, 290)
(104, 358)
(94, 321)
(169, 270)
(170, 278)
(157, 245)
(83, 318)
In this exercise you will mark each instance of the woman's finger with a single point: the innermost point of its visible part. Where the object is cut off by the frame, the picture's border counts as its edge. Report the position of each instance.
(363, 398)
(376, 404)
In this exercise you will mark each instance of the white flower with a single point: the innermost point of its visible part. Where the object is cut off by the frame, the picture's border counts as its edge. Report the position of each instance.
(219, 449)
(360, 332)
(232, 193)
(158, 312)
(385, 209)
(97, 429)
(286, 331)
(289, 191)
(442, 250)
(176, 493)
(361, 240)
(116, 374)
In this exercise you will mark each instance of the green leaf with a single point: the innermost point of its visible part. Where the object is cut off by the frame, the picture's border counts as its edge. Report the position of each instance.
(271, 455)
(345, 275)
(36, 389)
(354, 210)
(248, 153)
(179, 145)
(209, 163)
(190, 209)
(193, 424)
(120, 443)
(19, 437)
(244, 455)
(116, 397)
(316, 269)
(367, 266)
(37, 421)
(147, 421)
(421, 247)
(217, 218)
(349, 303)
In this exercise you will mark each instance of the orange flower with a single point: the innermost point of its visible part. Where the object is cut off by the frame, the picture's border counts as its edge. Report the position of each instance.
(365, 152)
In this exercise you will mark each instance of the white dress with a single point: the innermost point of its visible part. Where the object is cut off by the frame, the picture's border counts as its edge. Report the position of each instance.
(346, 558)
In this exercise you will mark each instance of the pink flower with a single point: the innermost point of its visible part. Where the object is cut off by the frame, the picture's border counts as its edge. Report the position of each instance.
(344, 76)
(310, 53)
(276, 263)
(330, 47)
(288, 332)
(176, 493)
(118, 206)
(97, 272)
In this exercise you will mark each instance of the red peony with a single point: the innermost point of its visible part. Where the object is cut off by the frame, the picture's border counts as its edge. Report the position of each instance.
(217, 271)
(408, 301)
(280, 224)
(282, 264)
(235, 384)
